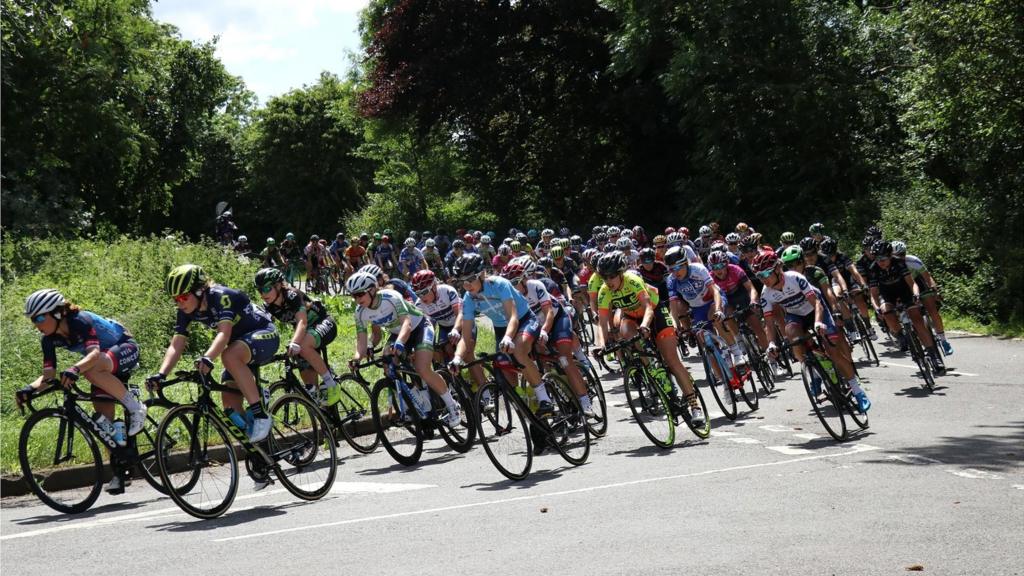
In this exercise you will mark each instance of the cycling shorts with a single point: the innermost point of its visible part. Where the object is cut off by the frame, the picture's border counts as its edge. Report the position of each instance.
(422, 337)
(262, 343)
(528, 325)
(323, 332)
(807, 324)
(897, 294)
(701, 314)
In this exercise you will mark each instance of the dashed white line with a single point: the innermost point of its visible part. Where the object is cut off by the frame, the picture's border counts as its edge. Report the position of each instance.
(914, 367)
(975, 474)
(807, 436)
(789, 450)
(744, 440)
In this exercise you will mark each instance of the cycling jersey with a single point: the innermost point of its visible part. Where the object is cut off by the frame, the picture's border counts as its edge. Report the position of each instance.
(628, 297)
(594, 284)
(409, 260)
(792, 297)
(490, 301)
(224, 304)
(695, 289)
(538, 297)
(568, 269)
(817, 277)
(85, 331)
(403, 288)
(434, 260)
(384, 252)
(657, 277)
(355, 254)
(337, 248)
(863, 265)
(892, 276)
(734, 279)
(390, 312)
(915, 265)
(296, 301)
(839, 263)
(443, 309)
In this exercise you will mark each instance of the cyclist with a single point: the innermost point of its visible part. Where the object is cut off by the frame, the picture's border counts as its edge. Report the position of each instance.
(292, 254)
(817, 231)
(433, 258)
(271, 255)
(313, 327)
(929, 290)
(515, 326)
(109, 355)
(739, 292)
(485, 249)
(314, 255)
(891, 284)
(355, 256)
(803, 310)
(642, 310)
(385, 256)
(556, 326)
(246, 338)
(387, 310)
(442, 304)
(337, 249)
(846, 279)
(785, 241)
(411, 259)
(242, 247)
(385, 281)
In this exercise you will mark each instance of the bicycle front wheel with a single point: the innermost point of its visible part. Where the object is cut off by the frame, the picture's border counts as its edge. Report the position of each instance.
(398, 423)
(917, 351)
(719, 388)
(303, 447)
(52, 443)
(197, 462)
(823, 400)
(501, 427)
(749, 389)
(650, 406)
(354, 416)
(459, 437)
(145, 447)
(569, 430)
(599, 423)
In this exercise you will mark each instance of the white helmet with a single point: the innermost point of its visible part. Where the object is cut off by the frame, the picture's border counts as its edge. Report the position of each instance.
(547, 232)
(485, 239)
(372, 270)
(360, 282)
(614, 231)
(675, 239)
(42, 302)
(899, 248)
(410, 242)
(243, 238)
(705, 231)
(429, 243)
(732, 238)
(623, 243)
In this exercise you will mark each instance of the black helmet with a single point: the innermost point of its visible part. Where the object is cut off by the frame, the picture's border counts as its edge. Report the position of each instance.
(545, 262)
(867, 242)
(808, 244)
(647, 255)
(458, 245)
(874, 232)
(828, 246)
(267, 277)
(674, 256)
(467, 265)
(881, 248)
(611, 264)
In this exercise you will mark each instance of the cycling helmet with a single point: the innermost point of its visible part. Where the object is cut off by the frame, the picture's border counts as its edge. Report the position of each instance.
(626, 233)
(422, 280)
(429, 243)
(647, 255)
(748, 244)
(271, 242)
(764, 261)
(43, 301)
(557, 252)
(547, 233)
(899, 248)
(575, 240)
(372, 270)
(881, 248)
(376, 236)
(565, 243)
(792, 254)
(243, 238)
(742, 228)
(360, 282)
(467, 265)
(516, 246)
(314, 238)
(817, 228)
(719, 246)
(675, 239)
(828, 246)
(485, 239)
(513, 270)
(659, 240)
(874, 232)
(705, 231)
(594, 259)
(601, 237)
(385, 238)
(717, 259)
(522, 237)
(267, 277)
(867, 242)
(611, 264)
(756, 237)
(410, 242)
(428, 234)
(595, 230)
(340, 235)
(364, 236)
(638, 230)
(458, 245)
(388, 232)
(624, 243)
(614, 231)
(809, 244)
(507, 240)
(532, 234)
(289, 236)
(414, 234)
(183, 279)
(684, 231)
(675, 255)
(669, 230)
(545, 263)
(504, 250)
(732, 238)
(588, 254)
(787, 237)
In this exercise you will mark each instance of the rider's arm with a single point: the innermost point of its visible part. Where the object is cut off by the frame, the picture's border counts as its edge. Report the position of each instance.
(467, 339)
(173, 354)
(221, 340)
(856, 275)
(648, 304)
(405, 330)
(513, 318)
(360, 346)
(301, 323)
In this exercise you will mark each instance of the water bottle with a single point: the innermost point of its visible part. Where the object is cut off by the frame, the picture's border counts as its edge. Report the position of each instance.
(119, 433)
(827, 365)
(104, 424)
(661, 377)
(236, 418)
(422, 398)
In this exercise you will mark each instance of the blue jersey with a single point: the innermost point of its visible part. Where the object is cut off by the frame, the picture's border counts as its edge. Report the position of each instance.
(226, 305)
(403, 288)
(384, 251)
(85, 331)
(410, 258)
(490, 301)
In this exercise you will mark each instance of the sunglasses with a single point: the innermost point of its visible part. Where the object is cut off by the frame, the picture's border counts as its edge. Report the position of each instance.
(39, 319)
(765, 273)
(266, 289)
(720, 266)
(882, 258)
(182, 298)
(517, 281)
(358, 295)
(677, 267)
(422, 292)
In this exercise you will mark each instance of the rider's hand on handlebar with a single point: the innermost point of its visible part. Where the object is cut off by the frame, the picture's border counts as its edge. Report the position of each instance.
(153, 382)
(69, 376)
(507, 344)
(204, 365)
(820, 328)
(645, 331)
(294, 349)
(773, 350)
(22, 396)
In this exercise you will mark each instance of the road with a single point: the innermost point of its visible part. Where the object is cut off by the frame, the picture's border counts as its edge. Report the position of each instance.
(937, 482)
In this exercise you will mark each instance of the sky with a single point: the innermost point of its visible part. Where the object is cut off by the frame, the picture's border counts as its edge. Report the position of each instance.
(274, 45)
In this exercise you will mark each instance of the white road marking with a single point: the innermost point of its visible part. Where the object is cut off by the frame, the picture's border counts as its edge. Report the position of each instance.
(913, 459)
(856, 449)
(338, 488)
(807, 436)
(723, 433)
(789, 450)
(975, 474)
(914, 367)
(744, 440)
(778, 428)
(1018, 486)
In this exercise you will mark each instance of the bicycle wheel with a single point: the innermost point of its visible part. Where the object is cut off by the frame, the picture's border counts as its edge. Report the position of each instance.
(749, 390)
(354, 415)
(859, 418)
(828, 408)
(649, 405)
(570, 433)
(702, 430)
(865, 340)
(398, 423)
(719, 389)
(197, 462)
(145, 447)
(503, 432)
(599, 423)
(460, 437)
(302, 447)
(917, 352)
(51, 443)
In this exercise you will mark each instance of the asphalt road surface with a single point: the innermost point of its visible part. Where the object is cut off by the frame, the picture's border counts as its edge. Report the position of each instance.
(936, 484)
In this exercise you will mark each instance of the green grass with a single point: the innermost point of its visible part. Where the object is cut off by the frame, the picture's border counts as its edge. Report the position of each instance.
(122, 278)
(997, 329)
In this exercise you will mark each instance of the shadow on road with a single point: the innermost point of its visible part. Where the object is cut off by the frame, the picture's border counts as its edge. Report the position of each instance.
(58, 518)
(996, 448)
(534, 479)
(228, 519)
(649, 450)
(920, 391)
(396, 467)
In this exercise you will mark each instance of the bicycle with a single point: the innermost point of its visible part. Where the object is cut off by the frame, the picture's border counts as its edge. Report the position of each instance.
(833, 397)
(194, 450)
(740, 382)
(757, 356)
(402, 430)
(583, 321)
(863, 328)
(916, 348)
(76, 435)
(508, 428)
(648, 385)
(344, 416)
(550, 364)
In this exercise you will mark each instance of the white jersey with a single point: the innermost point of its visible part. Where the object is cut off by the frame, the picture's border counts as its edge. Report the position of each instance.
(537, 296)
(695, 289)
(442, 309)
(389, 313)
(691, 255)
(792, 297)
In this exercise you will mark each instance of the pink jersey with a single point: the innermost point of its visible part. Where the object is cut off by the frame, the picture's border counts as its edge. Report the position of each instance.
(734, 278)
